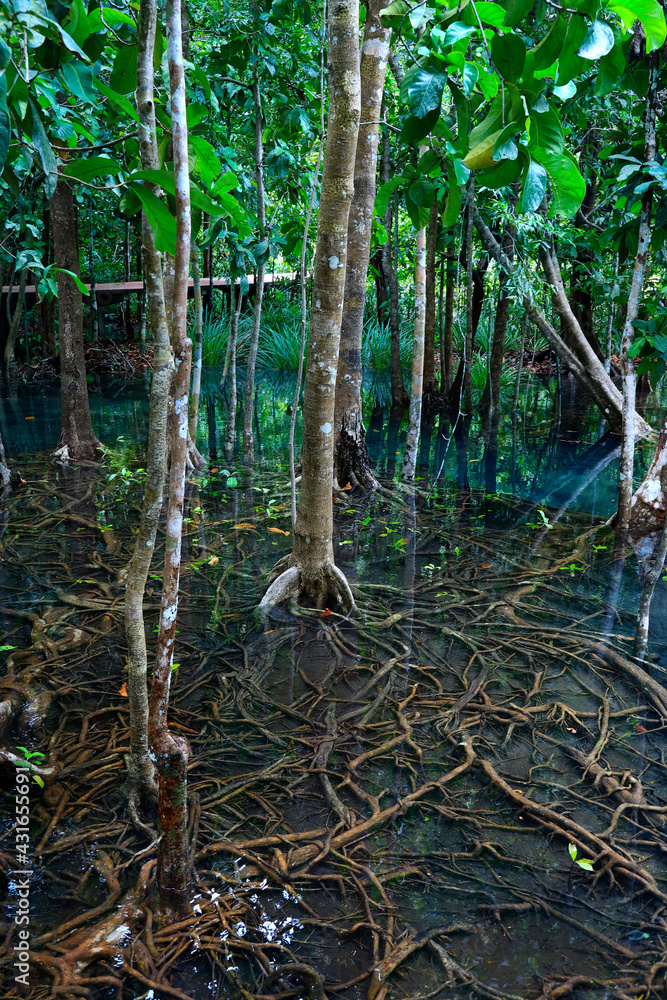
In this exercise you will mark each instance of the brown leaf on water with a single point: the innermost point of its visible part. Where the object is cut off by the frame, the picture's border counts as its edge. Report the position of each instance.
(348, 487)
(244, 527)
(123, 690)
(277, 531)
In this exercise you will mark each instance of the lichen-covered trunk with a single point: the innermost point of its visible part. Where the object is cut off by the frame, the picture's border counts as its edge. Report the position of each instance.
(414, 420)
(77, 438)
(628, 376)
(312, 574)
(141, 767)
(13, 322)
(649, 503)
(429, 307)
(351, 460)
(248, 442)
(171, 752)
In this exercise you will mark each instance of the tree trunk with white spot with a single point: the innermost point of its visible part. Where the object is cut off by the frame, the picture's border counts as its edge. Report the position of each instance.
(310, 573)
(171, 752)
(352, 463)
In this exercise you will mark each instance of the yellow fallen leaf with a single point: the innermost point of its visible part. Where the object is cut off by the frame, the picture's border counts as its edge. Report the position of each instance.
(278, 531)
(348, 487)
(123, 690)
(244, 527)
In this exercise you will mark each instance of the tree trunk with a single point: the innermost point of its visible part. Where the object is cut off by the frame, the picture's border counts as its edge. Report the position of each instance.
(649, 503)
(230, 429)
(429, 309)
(5, 474)
(311, 573)
(414, 421)
(196, 368)
(399, 397)
(491, 395)
(461, 389)
(583, 364)
(171, 752)
(447, 344)
(13, 323)
(634, 300)
(351, 460)
(141, 767)
(248, 443)
(77, 438)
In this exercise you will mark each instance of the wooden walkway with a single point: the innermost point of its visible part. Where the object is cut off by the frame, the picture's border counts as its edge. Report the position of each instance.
(107, 293)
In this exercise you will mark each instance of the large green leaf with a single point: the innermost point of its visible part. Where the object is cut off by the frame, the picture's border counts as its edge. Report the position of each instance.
(208, 164)
(534, 187)
(509, 56)
(570, 65)
(43, 146)
(516, 11)
(5, 125)
(545, 131)
(651, 15)
(384, 194)
(118, 99)
(393, 15)
(5, 55)
(490, 13)
(547, 51)
(505, 147)
(598, 42)
(506, 172)
(94, 166)
(159, 218)
(78, 79)
(567, 184)
(416, 129)
(611, 69)
(422, 90)
(123, 78)
(453, 203)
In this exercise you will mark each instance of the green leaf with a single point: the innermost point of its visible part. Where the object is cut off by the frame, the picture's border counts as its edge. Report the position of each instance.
(416, 129)
(75, 278)
(208, 165)
(490, 13)
(611, 69)
(567, 184)
(452, 208)
(573, 851)
(470, 77)
(566, 92)
(636, 347)
(570, 65)
(422, 193)
(43, 146)
(392, 16)
(585, 864)
(5, 55)
(78, 79)
(94, 166)
(3, 649)
(509, 56)
(516, 11)
(39, 781)
(159, 218)
(504, 147)
(422, 90)
(545, 131)
(123, 78)
(98, 19)
(488, 84)
(118, 99)
(598, 42)
(500, 176)
(547, 51)
(534, 187)
(651, 15)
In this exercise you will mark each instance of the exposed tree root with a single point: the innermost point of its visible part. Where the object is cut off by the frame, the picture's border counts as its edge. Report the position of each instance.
(324, 588)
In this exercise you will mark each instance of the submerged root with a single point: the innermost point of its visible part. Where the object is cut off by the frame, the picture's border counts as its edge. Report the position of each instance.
(326, 588)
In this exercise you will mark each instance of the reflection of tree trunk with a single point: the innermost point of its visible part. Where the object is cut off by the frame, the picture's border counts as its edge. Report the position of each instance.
(491, 395)
(447, 339)
(462, 385)
(429, 317)
(311, 573)
(351, 460)
(230, 430)
(77, 438)
(212, 436)
(196, 373)
(491, 456)
(5, 474)
(414, 421)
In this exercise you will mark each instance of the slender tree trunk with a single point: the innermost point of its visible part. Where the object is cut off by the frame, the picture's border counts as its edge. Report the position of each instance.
(196, 368)
(470, 333)
(230, 429)
(583, 364)
(13, 323)
(414, 421)
(399, 397)
(651, 577)
(248, 443)
(610, 319)
(94, 325)
(629, 380)
(351, 460)
(141, 765)
(171, 752)
(649, 503)
(429, 316)
(447, 345)
(491, 395)
(77, 438)
(311, 573)
(5, 474)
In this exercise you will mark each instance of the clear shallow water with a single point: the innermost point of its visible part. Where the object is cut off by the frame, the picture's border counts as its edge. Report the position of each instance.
(469, 566)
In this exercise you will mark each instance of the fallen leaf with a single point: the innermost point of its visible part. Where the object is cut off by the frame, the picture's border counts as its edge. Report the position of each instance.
(244, 527)
(213, 560)
(123, 690)
(213, 470)
(348, 487)
(278, 531)
(30, 418)
(486, 565)
(177, 725)
(570, 730)
(327, 612)
(640, 729)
